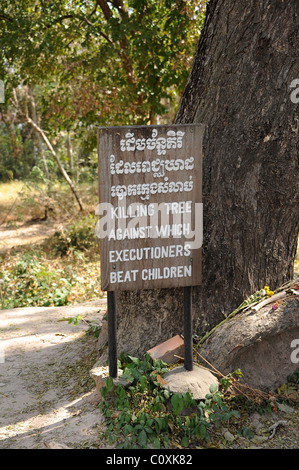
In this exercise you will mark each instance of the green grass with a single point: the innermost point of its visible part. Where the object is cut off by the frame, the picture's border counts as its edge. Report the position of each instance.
(33, 278)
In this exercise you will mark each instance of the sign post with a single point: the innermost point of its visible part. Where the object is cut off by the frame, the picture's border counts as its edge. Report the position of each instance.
(150, 215)
(112, 343)
(188, 344)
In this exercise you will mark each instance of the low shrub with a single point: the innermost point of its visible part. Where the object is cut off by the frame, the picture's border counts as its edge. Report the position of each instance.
(31, 279)
(144, 414)
(77, 236)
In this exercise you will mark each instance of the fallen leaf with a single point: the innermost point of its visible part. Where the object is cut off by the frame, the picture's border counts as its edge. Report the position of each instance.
(160, 380)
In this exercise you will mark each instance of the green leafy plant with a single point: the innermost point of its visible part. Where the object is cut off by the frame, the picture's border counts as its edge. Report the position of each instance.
(75, 320)
(31, 278)
(78, 236)
(29, 281)
(145, 413)
(93, 327)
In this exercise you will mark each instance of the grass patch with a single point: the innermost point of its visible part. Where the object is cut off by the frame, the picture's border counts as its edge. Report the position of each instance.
(8, 191)
(32, 278)
(21, 201)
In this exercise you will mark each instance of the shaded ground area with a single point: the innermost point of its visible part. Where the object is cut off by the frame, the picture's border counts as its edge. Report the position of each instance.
(46, 394)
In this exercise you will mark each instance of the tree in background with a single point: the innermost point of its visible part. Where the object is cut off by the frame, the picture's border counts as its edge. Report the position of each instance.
(98, 62)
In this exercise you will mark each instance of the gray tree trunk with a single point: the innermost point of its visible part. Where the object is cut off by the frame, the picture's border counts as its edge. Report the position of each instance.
(246, 59)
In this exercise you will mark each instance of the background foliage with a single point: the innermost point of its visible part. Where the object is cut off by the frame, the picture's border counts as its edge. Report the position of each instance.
(88, 63)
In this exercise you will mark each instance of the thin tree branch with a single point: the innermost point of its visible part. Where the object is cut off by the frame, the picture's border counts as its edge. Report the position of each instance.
(119, 5)
(87, 21)
(38, 136)
(48, 144)
(105, 8)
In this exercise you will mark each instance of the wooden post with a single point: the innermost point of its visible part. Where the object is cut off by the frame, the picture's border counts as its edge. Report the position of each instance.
(112, 346)
(188, 344)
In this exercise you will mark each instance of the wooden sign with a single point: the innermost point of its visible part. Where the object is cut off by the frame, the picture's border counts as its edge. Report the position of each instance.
(150, 211)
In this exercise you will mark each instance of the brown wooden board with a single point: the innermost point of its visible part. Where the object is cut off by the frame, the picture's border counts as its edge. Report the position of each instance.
(150, 211)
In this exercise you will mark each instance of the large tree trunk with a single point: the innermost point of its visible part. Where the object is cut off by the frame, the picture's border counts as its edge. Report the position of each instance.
(246, 59)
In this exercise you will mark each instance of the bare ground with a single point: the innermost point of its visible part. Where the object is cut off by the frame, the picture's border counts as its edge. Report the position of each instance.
(46, 394)
(26, 234)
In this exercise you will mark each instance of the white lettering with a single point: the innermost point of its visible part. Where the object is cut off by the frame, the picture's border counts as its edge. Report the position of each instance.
(120, 460)
(295, 94)
(130, 233)
(178, 207)
(156, 252)
(174, 230)
(133, 210)
(123, 276)
(166, 272)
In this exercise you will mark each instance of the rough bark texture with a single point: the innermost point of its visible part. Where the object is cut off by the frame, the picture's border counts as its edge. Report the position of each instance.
(257, 343)
(247, 57)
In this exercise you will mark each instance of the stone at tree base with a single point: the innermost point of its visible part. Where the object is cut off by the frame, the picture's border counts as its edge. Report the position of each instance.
(100, 374)
(228, 436)
(197, 381)
(168, 350)
(257, 343)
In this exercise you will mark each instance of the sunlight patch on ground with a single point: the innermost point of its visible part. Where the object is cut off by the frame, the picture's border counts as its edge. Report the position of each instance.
(9, 191)
(30, 235)
(43, 423)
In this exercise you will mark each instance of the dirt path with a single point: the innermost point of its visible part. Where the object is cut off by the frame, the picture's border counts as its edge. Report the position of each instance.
(46, 394)
(26, 234)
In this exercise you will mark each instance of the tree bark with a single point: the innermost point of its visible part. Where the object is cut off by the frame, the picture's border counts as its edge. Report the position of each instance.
(239, 88)
(70, 154)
